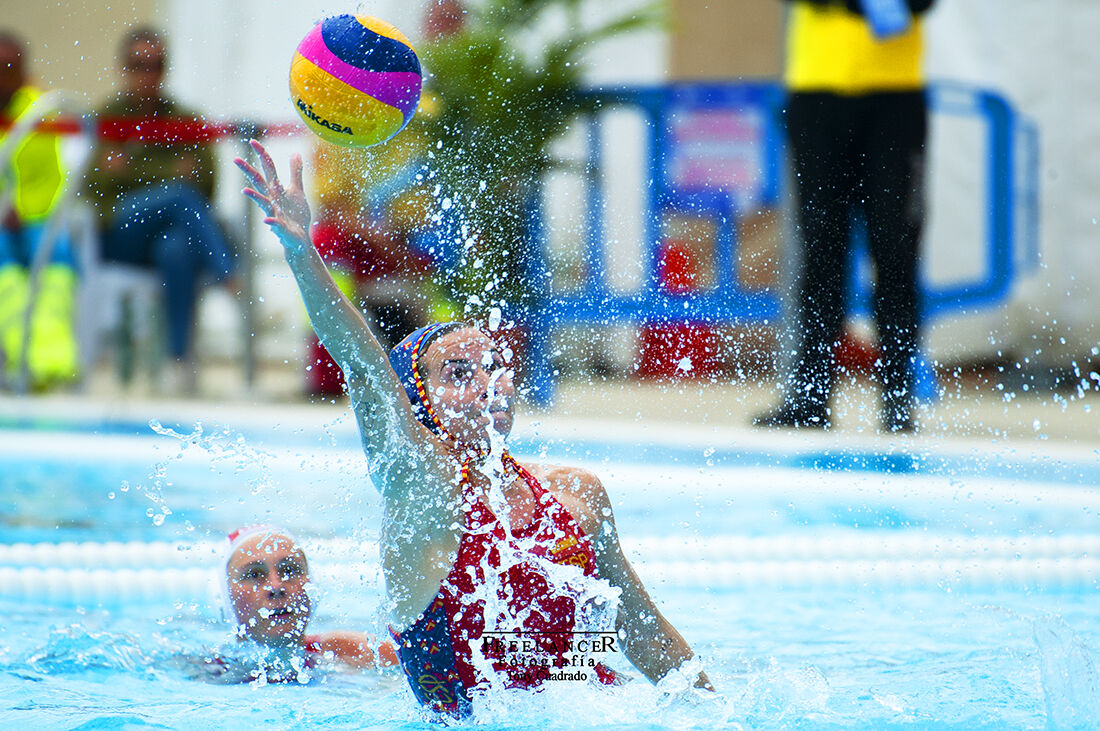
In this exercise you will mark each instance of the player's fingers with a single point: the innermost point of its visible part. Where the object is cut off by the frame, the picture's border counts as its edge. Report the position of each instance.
(276, 226)
(252, 174)
(261, 201)
(268, 164)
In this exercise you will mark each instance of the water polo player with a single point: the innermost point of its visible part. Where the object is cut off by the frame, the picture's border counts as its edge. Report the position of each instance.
(265, 592)
(492, 567)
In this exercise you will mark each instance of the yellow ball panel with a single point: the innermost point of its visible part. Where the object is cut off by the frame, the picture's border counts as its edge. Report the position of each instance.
(382, 28)
(339, 113)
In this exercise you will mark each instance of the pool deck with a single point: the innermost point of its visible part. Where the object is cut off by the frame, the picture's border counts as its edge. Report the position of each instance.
(972, 411)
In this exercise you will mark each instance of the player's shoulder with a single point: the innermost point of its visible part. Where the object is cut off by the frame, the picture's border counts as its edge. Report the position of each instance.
(579, 490)
(566, 478)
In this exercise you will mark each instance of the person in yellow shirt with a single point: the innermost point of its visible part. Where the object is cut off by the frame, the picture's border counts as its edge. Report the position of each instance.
(30, 187)
(856, 121)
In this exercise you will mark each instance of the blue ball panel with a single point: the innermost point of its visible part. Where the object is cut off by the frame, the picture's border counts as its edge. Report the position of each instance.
(361, 47)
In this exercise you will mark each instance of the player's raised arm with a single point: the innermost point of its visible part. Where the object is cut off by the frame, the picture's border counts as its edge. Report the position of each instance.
(339, 325)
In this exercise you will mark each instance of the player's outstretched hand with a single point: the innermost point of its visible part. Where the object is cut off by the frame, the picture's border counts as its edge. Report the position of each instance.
(286, 208)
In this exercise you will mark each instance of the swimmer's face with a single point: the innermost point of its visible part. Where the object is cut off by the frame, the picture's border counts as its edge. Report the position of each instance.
(267, 587)
(143, 66)
(470, 385)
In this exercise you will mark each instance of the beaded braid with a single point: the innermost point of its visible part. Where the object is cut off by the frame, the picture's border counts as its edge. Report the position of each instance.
(421, 389)
(511, 461)
(506, 458)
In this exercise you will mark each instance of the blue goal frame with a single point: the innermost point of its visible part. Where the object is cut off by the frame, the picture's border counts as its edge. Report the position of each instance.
(1011, 182)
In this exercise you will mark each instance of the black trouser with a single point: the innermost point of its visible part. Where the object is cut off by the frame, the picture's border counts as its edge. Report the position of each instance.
(857, 153)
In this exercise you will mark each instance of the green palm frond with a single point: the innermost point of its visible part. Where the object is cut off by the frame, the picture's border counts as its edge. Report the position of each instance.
(501, 106)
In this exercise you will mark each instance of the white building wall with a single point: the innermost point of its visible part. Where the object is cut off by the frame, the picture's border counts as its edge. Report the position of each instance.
(1043, 56)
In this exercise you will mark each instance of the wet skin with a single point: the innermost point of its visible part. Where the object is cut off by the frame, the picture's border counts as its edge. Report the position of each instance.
(472, 390)
(268, 575)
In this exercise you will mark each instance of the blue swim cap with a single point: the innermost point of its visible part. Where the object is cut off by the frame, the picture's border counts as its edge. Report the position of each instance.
(404, 359)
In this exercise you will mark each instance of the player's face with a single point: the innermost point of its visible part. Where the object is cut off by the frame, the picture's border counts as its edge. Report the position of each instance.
(267, 587)
(470, 386)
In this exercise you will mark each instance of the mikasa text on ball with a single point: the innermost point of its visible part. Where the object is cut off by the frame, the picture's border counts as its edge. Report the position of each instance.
(355, 80)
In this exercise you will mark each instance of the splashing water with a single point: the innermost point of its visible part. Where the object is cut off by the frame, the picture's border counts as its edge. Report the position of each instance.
(223, 447)
(595, 603)
(78, 649)
(1071, 684)
(833, 656)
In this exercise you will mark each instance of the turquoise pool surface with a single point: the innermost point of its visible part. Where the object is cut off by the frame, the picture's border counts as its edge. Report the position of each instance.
(823, 585)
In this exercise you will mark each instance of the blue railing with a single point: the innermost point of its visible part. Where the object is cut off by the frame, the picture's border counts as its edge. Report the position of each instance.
(754, 109)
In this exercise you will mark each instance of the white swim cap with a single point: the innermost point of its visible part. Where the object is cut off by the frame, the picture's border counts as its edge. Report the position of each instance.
(235, 539)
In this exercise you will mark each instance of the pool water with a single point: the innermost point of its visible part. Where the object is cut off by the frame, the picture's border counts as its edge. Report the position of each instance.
(824, 585)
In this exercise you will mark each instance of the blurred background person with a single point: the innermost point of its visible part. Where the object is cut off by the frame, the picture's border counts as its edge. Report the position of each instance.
(365, 235)
(153, 193)
(856, 123)
(31, 184)
(376, 227)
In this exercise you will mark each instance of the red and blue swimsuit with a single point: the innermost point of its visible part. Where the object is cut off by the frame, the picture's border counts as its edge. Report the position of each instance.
(436, 651)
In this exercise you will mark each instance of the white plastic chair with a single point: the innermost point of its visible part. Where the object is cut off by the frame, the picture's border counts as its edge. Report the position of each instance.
(117, 302)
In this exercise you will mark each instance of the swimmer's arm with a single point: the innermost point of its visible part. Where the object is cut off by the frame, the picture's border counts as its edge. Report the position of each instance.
(356, 649)
(650, 641)
(338, 323)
